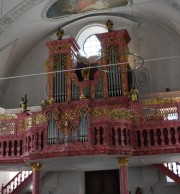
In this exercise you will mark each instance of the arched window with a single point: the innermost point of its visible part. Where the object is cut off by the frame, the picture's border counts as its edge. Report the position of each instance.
(87, 40)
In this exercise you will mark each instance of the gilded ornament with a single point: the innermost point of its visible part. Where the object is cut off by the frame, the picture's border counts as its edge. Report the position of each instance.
(7, 116)
(156, 101)
(22, 125)
(36, 166)
(109, 25)
(98, 112)
(51, 101)
(82, 96)
(39, 119)
(120, 114)
(60, 33)
(28, 122)
(123, 161)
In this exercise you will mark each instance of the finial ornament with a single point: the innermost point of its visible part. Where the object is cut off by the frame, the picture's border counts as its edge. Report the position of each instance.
(123, 161)
(60, 33)
(133, 94)
(109, 25)
(36, 166)
(23, 104)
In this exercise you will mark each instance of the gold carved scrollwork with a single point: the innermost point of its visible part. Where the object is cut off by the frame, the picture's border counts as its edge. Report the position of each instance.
(98, 112)
(7, 116)
(28, 122)
(155, 101)
(22, 125)
(123, 161)
(39, 119)
(55, 114)
(120, 114)
(25, 123)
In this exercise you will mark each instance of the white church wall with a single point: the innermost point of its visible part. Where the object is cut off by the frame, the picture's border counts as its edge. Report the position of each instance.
(63, 182)
(147, 178)
(33, 86)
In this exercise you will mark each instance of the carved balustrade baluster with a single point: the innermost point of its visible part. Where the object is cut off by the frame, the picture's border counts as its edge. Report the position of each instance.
(122, 137)
(29, 143)
(18, 148)
(32, 142)
(17, 182)
(162, 137)
(116, 136)
(7, 149)
(12, 149)
(13, 187)
(178, 168)
(20, 178)
(176, 136)
(155, 137)
(38, 140)
(168, 136)
(9, 189)
(105, 135)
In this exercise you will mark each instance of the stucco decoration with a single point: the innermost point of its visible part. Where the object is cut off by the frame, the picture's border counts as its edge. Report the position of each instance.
(174, 4)
(10, 17)
(142, 77)
(62, 8)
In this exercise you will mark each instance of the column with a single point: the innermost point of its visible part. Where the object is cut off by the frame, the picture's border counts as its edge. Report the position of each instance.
(36, 166)
(123, 175)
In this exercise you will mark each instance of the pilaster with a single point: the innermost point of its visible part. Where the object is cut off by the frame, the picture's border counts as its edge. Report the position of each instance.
(36, 166)
(123, 174)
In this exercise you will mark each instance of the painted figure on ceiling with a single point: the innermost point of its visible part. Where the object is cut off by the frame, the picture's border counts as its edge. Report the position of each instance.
(61, 7)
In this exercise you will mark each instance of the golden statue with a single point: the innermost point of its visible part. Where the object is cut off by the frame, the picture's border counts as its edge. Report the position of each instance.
(133, 94)
(60, 33)
(109, 25)
(23, 104)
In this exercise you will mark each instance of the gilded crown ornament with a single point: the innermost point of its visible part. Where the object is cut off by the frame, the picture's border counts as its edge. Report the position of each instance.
(109, 25)
(60, 33)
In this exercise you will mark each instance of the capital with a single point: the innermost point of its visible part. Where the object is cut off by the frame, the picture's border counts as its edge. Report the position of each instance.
(123, 161)
(36, 166)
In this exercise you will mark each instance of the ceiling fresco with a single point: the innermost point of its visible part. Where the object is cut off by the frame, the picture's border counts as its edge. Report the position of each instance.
(62, 8)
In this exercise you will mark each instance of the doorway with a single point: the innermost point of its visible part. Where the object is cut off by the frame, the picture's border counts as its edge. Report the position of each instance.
(102, 182)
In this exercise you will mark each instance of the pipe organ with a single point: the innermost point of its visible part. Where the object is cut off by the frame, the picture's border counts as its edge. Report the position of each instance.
(73, 88)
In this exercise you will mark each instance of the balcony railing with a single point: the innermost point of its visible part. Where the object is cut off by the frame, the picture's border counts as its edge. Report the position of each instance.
(101, 127)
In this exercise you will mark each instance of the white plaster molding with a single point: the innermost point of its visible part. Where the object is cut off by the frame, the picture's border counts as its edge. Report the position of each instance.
(173, 4)
(15, 13)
